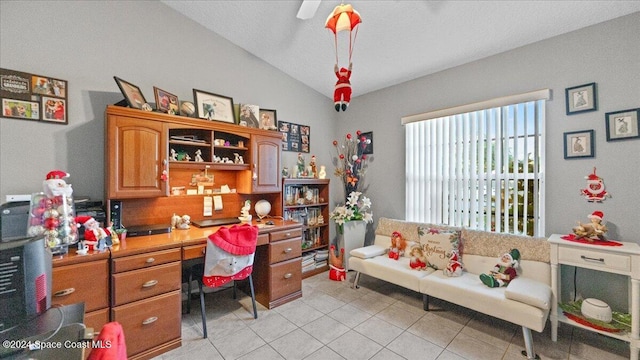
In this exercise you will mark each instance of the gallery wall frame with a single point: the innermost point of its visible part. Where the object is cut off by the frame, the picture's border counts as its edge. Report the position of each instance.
(581, 98)
(268, 119)
(132, 93)
(33, 97)
(579, 144)
(295, 137)
(623, 124)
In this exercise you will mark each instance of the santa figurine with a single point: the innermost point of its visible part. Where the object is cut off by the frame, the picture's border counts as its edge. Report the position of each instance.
(337, 271)
(594, 192)
(398, 245)
(55, 185)
(504, 271)
(95, 237)
(418, 260)
(342, 92)
(454, 267)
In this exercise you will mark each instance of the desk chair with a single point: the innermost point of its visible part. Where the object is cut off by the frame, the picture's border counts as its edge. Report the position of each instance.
(229, 257)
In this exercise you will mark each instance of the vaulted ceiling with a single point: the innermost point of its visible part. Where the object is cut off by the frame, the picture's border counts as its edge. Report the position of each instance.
(397, 40)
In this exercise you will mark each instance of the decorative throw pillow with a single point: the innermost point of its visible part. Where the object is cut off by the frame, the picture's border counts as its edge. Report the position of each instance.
(438, 244)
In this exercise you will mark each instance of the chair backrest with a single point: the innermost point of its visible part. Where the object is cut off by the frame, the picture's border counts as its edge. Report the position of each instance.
(229, 255)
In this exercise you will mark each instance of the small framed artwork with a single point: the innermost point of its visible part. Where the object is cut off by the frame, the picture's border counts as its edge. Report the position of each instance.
(166, 102)
(268, 119)
(579, 144)
(48, 86)
(623, 125)
(249, 115)
(54, 110)
(131, 93)
(582, 98)
(213, 106)
(367, 147)
(20, 109)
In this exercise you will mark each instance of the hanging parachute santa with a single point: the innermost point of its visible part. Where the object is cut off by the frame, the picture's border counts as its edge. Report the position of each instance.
(343, 18)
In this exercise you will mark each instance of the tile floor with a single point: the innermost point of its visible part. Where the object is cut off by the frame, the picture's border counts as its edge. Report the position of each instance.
(378, 321)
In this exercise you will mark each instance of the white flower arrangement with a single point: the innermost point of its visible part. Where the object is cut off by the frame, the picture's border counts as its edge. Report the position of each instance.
(357, 208)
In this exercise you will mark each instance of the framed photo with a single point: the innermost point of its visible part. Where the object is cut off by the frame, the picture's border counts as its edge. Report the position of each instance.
(295, 137)
(54, 110)
(579, 144)
(166, 102)
(213, 106)
(131, 93)
(268, 119)
(20, 109)
(249, 115)
(581, 99)
(368, 147)
(623, 125)
(48, 86)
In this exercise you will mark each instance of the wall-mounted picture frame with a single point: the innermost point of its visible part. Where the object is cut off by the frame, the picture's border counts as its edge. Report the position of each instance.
(368, 146)
(54, 110)
(295, 137)
(268, 119)
(211, 106)
(132, 93)
(166, 102)
(42, 85)
(579, 144)
(20, 109)
(581, 98)
(623, 124)
(249, 115)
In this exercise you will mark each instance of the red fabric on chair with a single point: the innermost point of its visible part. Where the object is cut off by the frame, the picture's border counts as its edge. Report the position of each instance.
(238, 239)
(111, 339)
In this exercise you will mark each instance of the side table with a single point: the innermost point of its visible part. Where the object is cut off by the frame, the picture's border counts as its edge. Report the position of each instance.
(623, 260)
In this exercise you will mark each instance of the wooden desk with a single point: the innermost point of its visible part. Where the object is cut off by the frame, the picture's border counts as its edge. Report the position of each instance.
(623, 260)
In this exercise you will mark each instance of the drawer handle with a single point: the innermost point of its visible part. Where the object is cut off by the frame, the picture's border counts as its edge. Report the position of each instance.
(150, 320)
(288, 275)
(288, 250)
(150, 283)
(586, 258)
(150, 260)
(64, 292)
(287, 234)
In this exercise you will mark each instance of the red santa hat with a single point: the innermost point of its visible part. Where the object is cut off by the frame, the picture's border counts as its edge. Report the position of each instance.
(396, 234)
(56, 174)
(454, 256)
(82, 220)
(596, 215)
(593, 177)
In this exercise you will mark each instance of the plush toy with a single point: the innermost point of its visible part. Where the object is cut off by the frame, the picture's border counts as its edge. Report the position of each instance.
(504, 271)
(95, 237)
(337, 271)
(342, 92)
(398, 245)
(593, 231)
(454, 268)
(418, 260)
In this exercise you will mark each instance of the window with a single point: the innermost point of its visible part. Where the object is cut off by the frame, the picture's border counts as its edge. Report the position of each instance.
(479, 166)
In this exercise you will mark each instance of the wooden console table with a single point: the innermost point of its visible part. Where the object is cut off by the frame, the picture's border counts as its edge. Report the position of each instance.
(623, 260)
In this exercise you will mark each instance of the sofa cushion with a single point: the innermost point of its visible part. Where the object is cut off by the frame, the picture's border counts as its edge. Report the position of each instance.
(394, 271)
(369, 251)
(530, 292)
(438, 245)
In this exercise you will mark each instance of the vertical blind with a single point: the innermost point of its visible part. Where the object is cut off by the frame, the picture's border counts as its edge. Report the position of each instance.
(482, 169)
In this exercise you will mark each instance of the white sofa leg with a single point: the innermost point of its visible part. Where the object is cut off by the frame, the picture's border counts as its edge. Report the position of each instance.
(355, 281)
(528, 344)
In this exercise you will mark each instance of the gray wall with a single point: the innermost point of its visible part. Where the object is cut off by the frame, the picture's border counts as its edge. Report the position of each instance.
(607, 53)
(146, 43)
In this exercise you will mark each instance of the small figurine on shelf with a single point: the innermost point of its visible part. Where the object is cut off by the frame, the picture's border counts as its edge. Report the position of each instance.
(95, 237)
(183, 223)
(300, 165)
(592, 231)
(199, 156)
(238, 159)
(285, 172)
(322, 174)
(244, 212)
(314, 169)
(187, 157)
(174, 155)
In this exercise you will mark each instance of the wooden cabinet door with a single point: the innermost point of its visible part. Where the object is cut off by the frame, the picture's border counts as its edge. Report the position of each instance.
(265, 164)
(136, 158)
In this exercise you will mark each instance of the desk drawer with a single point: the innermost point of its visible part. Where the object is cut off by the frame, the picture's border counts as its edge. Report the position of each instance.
(594, 259)
(194, 251)
(85, 282)
(145, 260)
(286, 278)
(139, 284)
(284, 250)
(263, 239)
(150, 322)
(286, 234)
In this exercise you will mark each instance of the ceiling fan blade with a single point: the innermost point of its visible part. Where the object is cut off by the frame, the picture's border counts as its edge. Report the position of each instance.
(308, 9)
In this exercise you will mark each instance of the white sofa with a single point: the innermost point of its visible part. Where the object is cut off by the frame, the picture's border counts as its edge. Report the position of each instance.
(526, 300)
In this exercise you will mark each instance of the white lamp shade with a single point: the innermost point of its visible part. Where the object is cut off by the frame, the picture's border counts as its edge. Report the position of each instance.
(262, 208)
